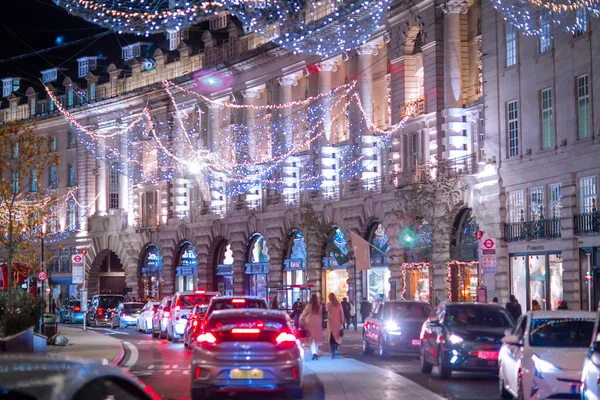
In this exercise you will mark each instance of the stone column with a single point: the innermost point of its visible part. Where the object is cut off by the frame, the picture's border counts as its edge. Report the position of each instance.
(324, 83)
(250, 97)
(285, 140)
(365, 79)
(124, 176)
(217, 194)
(328, 163)
(101, 178)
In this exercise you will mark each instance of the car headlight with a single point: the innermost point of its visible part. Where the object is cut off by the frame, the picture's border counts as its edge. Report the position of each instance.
(392, 326)
(543, 367)
(455, 339)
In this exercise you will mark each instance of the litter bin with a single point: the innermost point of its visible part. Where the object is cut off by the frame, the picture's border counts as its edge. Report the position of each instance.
(50, 325)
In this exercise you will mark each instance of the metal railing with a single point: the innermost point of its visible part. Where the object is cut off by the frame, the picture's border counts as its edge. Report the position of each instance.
(587, 223)
(548, 228)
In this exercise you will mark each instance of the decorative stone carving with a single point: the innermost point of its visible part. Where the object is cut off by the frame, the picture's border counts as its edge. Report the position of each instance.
(251, 93)
(455, 6)
(328, 66)
(367, 50)
(288, 81)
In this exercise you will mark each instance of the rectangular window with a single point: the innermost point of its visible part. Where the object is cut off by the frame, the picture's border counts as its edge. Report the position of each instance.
(546, 38)
(16, 150)
(513, 128)
(15, 183)
(511, 45)
(72, 178)
(65, 265)
(547, 119)
(72, 217)
(536, 203)
(70, 98)
(51, 108)
(583, 107)
(32, 107)
(587, 194)
(554, 204)
(52, 177)
(92, 91)
(33, 184)
(113, 187)
(516, 205)
(53, 219)
(83, 67)
(52, 144)
(72, 140)
(43, 105)
(415, 150)
(582, 22)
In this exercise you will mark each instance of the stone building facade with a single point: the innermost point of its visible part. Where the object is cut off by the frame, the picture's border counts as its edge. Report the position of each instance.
(422, 67)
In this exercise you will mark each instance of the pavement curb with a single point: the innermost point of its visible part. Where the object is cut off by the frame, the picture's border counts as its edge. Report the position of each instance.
(120, 357)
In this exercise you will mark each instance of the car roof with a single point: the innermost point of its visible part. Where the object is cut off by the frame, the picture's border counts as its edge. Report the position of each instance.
(474, 305)
(248, 312)
(561, 314)
(190, 292)
(226, 298)
(132, 302)
(406, 302)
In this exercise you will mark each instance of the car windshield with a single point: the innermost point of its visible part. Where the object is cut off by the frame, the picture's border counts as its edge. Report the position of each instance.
(267, 327)
(231, 304)
(110, 301)
(561, 332)
(189, 301)
(478, 316)
(75, 304)
(406, 311)
(133, 307)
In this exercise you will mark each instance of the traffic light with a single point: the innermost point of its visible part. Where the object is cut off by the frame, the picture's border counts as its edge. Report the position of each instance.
(408, 237)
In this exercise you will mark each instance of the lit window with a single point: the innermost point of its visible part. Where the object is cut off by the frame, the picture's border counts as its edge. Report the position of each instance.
(70, 98)
(582, 22)
(72, 217)
(92, 91)
(32, 107)
(536, 203)
(583, 107)
(52, 144)
(587, 194)
(515, 205)
(83, 67)
(546, 38)
(15, 183)
(16, 150)
(51, 105)
(547, 119)
(513, 128)
(33, 184)
(131, 51)
(113, 187)
(72, 140)
(511, 45)
(49, 75)
(52, 177)
(72, 175)
(554, 205)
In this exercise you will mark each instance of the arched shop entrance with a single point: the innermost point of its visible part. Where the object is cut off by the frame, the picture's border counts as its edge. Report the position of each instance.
(378, 277)
(417, 281)
(256, 273)
(294, 268)
(151, 280)
(107, 275)
(462, 272)
(223, 278)
(186, 272)
(336, 276)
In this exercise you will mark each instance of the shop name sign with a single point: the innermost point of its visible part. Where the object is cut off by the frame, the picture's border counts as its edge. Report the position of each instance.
(224, 269)
(293, 265)
(257, 268)
(186, 271)
(533, 248)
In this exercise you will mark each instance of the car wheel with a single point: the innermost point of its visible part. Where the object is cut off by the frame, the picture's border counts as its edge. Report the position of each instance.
(443, 371)
(295, 393)
(175, 338)
(503, 392)
(162, 335)
(381, 351)
(154, 333)
(367, 350)
(425, 366)
(520, 393)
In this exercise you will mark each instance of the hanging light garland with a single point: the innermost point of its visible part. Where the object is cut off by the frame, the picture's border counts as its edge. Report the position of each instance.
(415, 266)
(541, 18)
(324, 28)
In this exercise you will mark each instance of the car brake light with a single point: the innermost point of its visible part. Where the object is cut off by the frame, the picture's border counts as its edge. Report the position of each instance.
(238, 301)
(245, 330)
(152, 312)
(100, 311)
(76, 308)
(200, 291)
(123, 314)
(166, 314)
(197, 373)
(195, 324)
(285, 337)
(207, 338)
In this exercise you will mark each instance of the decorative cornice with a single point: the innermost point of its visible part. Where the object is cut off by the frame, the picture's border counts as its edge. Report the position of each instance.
(455, 7)
(253, 93)
(327, 66)
(367, 50)
(290, 80)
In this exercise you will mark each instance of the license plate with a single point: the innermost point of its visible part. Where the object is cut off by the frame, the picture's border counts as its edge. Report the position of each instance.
(246, 374)
(416, 342)
(136, 315)
(488, 355)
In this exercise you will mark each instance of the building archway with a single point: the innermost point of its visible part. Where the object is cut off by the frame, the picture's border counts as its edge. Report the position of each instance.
(335, 276)
(223, 268)
(186, 270)
(294, 268)
(256, 272)
(378, 277)
(150, 273)
(107, 275)
(463, 268)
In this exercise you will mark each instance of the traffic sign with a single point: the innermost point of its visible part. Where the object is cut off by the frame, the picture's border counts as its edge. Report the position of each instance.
(479, 235)
(42, 275)
(84, 252)
(489, 244)
(77, 259)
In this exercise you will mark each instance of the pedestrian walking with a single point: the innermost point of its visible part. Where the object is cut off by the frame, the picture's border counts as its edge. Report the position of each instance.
(365, 309)
(353, 314)
(562, 305)
(346, 307)
(274, 303)
(312, 322)
(495, 300)
(535, 306)
(53, 306)
(513, 307)
(296, 312)
(335, 323)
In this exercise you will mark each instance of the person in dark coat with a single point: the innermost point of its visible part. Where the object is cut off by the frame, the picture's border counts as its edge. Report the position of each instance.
(365, 309)
(297, 309)
(346, 307)
(513, 307)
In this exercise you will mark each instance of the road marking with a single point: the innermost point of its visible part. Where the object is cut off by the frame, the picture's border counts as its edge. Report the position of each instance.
(186, 372)
(133, 355)
(168, 372)
(113, 332)
(151, 367)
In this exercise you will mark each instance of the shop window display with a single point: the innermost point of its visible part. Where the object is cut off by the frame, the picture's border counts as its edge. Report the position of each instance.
(556, 280)
(337, 282)
(257, 267)
(537, 280)
(537, 277)
(519, 280)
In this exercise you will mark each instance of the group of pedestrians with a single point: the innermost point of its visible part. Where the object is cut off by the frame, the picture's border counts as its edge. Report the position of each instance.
(514, 307)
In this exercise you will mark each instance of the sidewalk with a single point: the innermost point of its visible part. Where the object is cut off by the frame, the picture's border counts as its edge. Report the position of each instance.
(88, 344)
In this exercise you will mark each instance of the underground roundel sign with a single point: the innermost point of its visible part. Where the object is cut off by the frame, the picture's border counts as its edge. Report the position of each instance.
(488, 243)
(77, 259)
(42, 275)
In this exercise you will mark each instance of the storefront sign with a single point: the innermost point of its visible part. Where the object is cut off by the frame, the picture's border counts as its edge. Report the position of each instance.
(188, 262)
(77, 259)
(534, 248)
(256, 268)
(487, 255)
(77, 277)
(294, 265)
(379, 261)
(224, 270)
(331, 263)
(154, 263)
(186, 271)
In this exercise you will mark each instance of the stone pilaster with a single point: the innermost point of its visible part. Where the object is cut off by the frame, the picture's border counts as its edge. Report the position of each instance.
(101, 178)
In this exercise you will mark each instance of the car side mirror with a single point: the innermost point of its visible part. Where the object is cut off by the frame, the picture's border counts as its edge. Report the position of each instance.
(511, 339)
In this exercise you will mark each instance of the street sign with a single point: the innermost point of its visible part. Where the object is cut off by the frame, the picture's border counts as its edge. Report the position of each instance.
(42, 275)
(77, 274)
(77, 259)
(489, 244)
(479, 235)
(84, 252)
(487, 263)
(83, 301)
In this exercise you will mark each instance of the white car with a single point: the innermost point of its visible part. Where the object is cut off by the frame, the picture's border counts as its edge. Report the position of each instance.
(590, 388)
(144, 321)
(542, 356)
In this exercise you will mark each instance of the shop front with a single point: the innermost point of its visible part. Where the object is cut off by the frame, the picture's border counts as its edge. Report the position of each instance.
(589, 263)
(186, 272)
(416, 282)
(336, 277)
(294, 269)
(256, 273)
(151, 273)
(224, 270)
(537, 276)
(378, 277)
(463, 272)
(462, 280)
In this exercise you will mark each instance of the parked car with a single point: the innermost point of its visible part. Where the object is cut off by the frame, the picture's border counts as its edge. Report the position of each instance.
(235, 303)
(182, 304)
(463, 337)
(126, 315)
(264, 339)
(71, 312)
(195, 320)
(144, 321)
(590, 376)
(43, 377)
(395, 328)
(102, 308)
(160, 318)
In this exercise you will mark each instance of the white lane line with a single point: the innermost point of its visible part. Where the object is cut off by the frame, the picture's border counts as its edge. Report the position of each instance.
(186, 372)
(113, 332)
(174, 366)
(168, 372)
(133, 355)
(151, 367)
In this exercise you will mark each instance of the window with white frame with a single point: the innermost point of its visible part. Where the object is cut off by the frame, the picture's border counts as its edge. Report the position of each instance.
(113, 187)
(582, 22)
(516, 205)
(513, 128)
(82, 67)
(49, 75)
(70, 97)
(536, 203)
(52, 143)
(546, 38)
(587, 194)
(554, 204)
(583, 107)
(52, 177)
(174, 38)
(131, 51)
(71, 139)
(72, 214)
(511, 45)
(547, 119)
(32, 107)
(15, 182)
(72, 178)
(33, 183)
(92, 91)
(53, 219)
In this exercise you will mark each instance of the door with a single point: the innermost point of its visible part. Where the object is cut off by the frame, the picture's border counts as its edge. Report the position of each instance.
(375, 326)
(431, 330)
(512, 362)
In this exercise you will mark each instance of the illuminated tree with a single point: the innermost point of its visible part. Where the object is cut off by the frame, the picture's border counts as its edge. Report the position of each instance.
(24, 207)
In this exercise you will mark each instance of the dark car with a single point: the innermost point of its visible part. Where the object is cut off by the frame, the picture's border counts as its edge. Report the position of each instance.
(102, 308)
(71, 312)
(463, 337)
(235, 303)
(395, 328)
(194, 322)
